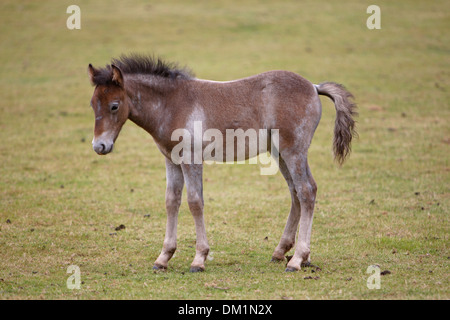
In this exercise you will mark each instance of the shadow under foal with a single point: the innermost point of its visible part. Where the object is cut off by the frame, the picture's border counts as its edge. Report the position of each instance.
(160, 98)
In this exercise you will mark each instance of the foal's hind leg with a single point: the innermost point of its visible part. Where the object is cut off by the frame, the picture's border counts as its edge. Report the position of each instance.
(306, 190)
(288, 238)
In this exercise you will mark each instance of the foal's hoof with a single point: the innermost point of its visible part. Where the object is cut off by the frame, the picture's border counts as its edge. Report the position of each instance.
(290, 269)
(276, 260)
(196, 269)
(159, 267)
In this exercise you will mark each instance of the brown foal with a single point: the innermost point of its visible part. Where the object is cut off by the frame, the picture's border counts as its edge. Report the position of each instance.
(161, 98)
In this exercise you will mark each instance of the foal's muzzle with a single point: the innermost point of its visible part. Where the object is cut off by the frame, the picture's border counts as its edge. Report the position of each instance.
(102, 147)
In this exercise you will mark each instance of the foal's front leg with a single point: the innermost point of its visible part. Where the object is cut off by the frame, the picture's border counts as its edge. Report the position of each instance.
(194, 187)
(174, 189)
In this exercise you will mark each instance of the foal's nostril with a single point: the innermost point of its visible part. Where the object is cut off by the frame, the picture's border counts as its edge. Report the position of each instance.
(103, 147)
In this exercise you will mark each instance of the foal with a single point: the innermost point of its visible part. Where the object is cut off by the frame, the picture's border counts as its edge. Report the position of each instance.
(160, 98)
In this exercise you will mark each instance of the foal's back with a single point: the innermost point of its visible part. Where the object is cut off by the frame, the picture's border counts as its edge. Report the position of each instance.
(265, 101)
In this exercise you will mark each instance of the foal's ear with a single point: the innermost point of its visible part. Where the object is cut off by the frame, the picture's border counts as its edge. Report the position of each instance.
(92, 73)
(117, 75)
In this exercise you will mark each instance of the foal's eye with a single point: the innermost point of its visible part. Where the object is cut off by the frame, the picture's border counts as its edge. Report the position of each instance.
(114, 106)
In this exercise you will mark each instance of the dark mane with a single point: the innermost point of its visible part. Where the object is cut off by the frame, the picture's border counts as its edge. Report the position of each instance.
(140, 64)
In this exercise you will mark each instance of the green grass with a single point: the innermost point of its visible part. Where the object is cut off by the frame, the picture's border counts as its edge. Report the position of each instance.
(388, 205)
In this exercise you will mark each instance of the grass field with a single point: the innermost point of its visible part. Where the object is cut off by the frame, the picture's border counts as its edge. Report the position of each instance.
(388, 205)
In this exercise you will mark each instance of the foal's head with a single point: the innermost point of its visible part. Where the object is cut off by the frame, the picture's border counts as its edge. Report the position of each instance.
(110, 105)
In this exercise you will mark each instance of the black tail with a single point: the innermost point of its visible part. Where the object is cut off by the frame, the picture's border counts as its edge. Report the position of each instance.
(344, 126)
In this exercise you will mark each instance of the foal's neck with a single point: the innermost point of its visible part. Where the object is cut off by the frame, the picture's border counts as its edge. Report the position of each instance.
(148, 95)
